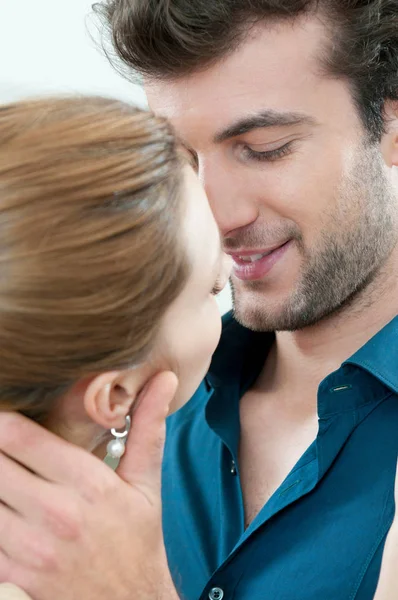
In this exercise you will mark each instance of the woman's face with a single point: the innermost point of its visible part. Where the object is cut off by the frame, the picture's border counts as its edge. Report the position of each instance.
(189, 332)
(192, 325)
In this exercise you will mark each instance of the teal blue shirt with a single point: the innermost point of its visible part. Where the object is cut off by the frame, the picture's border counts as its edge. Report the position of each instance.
(321, 534)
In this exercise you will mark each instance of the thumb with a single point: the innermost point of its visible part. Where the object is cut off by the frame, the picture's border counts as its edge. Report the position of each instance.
(141, 464)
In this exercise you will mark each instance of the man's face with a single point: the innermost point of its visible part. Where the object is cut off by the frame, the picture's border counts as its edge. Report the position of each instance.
(305, 204)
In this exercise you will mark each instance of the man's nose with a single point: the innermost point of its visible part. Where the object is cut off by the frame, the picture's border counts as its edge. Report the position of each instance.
(229, 196)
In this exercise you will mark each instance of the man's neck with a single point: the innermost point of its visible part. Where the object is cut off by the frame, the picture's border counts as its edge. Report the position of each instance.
(302, 359)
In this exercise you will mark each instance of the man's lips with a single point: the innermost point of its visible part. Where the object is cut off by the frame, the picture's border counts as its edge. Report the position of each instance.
(255, 264)
(244, 255)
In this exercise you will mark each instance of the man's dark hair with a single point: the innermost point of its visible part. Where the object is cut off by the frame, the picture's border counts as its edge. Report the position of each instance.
(172, 38)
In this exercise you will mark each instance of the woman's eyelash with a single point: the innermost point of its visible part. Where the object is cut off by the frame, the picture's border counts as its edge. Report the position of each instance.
(270, 155)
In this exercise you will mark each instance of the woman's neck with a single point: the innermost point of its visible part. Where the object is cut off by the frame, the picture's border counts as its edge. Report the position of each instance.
(70, 421)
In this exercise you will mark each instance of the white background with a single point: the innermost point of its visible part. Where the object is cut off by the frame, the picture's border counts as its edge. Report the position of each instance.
(46, 47)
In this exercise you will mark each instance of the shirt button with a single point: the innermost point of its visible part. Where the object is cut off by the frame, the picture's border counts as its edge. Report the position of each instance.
(233, 468)
(216, 593)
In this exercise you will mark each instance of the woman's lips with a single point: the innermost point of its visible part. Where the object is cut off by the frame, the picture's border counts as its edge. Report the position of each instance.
(249, 266)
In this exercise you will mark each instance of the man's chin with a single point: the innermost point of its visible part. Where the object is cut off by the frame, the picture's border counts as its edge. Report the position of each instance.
(282, 316)
(254, 311)
(254, 319)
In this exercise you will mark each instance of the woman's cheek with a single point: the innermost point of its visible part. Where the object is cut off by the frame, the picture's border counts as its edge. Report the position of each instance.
(217, 324)
(195, 358)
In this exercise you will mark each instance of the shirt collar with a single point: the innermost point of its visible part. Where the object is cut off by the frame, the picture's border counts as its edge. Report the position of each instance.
(236, 365)
(362, 378)
(240, 355)
(379, 356)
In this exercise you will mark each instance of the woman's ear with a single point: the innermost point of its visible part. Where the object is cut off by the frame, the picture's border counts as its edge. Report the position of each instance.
(109, 397)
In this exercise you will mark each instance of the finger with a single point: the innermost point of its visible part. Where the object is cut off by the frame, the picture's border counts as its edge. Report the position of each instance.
(43, 452)
(5, 566)
(9, 591)
(20, 489)
(19, 541)
(16, 578)
(141, 465)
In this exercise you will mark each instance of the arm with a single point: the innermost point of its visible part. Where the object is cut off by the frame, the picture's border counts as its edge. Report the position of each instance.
(72, 528)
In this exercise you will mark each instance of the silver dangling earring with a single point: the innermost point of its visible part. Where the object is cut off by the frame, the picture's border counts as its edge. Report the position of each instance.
(116, 448)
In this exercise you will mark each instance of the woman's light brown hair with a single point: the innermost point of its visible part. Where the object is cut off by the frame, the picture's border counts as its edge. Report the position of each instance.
(90, 252)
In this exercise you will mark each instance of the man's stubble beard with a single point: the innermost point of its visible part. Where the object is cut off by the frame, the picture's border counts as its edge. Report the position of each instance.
(354, 246)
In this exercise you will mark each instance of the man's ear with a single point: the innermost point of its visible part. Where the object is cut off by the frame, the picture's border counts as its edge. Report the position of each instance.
(109, 397)
(389, 142)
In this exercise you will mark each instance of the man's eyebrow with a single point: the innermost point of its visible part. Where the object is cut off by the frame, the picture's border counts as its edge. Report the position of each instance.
(268, 118)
